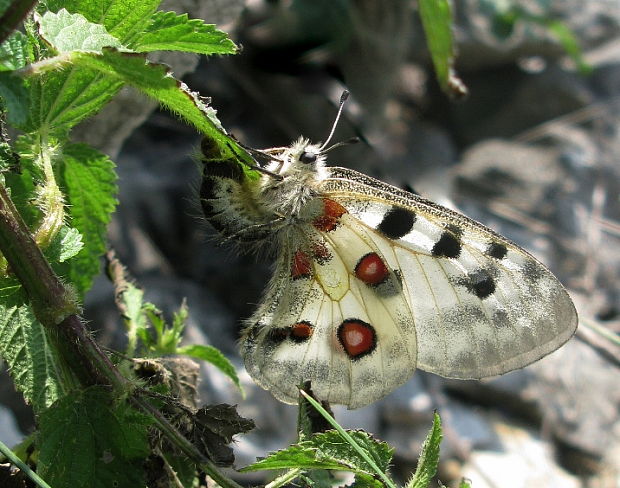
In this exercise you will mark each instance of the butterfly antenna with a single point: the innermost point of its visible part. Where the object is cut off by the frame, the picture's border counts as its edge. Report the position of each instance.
(353, 140)
(343, 98)
(257, 166)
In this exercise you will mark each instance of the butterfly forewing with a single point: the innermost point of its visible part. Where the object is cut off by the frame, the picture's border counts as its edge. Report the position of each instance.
(481, 305)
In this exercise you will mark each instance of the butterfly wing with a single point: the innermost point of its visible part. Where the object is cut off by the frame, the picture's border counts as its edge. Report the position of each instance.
(380, 282)
(481, 305)
(318, 323)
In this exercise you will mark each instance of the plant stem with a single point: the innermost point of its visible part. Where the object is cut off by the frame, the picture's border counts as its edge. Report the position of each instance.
(11, 456)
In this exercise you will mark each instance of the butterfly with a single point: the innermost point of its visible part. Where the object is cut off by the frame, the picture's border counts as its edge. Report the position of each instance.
(372, 282)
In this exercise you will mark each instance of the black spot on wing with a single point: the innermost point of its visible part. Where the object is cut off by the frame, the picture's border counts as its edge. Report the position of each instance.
(496, 250)
(481, 284)
(397, 222)
(276, 335)
(447, 246)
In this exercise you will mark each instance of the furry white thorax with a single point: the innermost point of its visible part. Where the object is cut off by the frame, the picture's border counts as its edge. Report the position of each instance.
(286, 197)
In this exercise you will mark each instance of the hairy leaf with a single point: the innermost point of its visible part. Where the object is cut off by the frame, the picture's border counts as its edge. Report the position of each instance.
(328, 450)
(89, 182)
(24, 346)
(15, 52)
(429, 457)
(72, 32)
(171, 32)
(121, 18)
(90, 439)
(66, 244)
(213, 356)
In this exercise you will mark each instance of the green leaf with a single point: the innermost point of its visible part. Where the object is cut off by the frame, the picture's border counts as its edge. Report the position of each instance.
(15, 52)
(213, 356)
(24, 346)
(436, 18)
(328, 450)
(121, 18)
(365, 481)
(171, 32)
(370, 457)
(89, 183)
(59, 100)
(66, 244)
(72, 32)
(130, 302)
(152, 79)
(15, 98)
(90, 439)
(429, 457)
(296, 456)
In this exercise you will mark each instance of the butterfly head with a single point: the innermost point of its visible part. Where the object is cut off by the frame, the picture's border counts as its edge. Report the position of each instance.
(301, 161)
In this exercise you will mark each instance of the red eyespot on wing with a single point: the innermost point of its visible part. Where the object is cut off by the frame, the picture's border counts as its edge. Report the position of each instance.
(301, 267)
(301, 331)
(357, 338)
(332, 211)
(371, 269)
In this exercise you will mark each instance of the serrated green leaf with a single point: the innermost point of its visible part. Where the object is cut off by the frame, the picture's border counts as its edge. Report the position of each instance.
(296, 456)
(89, 439)
(371, 457)
(24, 346)
(121, 18)
(213, 356)
(152, 79)
(171, 32)
(429, 457)
(72, 32)
(15, 52)
(66, 244)
(61, 99)
(89, 183)
(328, 450)
(332, 444)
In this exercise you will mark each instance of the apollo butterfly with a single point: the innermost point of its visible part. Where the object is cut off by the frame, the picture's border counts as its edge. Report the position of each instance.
(372, 282)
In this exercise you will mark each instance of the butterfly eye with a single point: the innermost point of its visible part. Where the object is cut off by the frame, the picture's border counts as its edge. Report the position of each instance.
(307, 157)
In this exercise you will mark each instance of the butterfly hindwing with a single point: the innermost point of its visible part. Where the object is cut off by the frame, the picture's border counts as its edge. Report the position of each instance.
(361, 343)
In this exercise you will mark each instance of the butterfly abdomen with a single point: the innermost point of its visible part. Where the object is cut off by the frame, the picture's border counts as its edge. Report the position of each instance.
(227, 199)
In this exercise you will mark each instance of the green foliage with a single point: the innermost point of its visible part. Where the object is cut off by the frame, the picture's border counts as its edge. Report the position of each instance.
(25, 347)
(329, 450)
(436, 18)
(88, 181)
(149, 335)
(429, 457)
(88, 439)
(171, 32)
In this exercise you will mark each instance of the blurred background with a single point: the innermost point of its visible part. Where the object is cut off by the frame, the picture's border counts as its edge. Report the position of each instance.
(532, 152)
